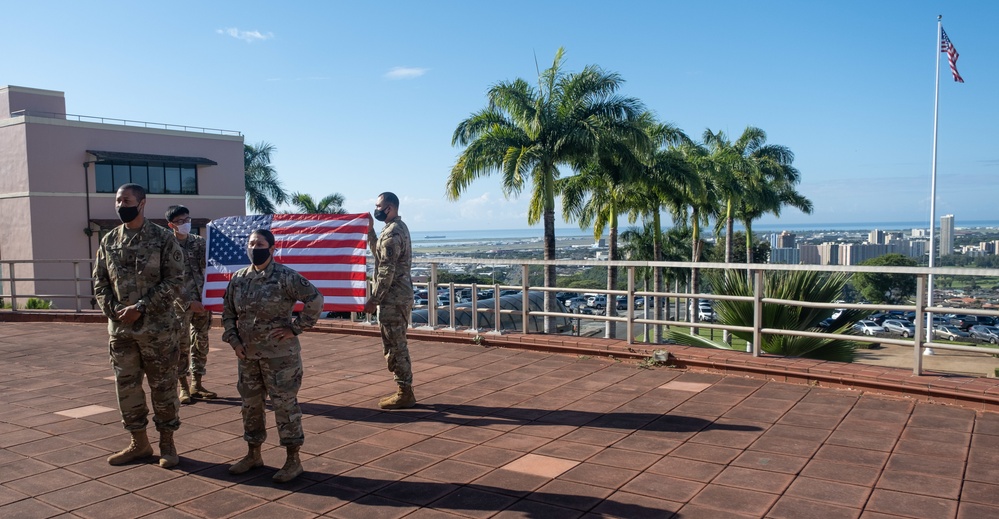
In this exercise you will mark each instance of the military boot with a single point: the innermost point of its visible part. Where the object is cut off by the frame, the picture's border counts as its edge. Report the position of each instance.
(251, 460)
(292, 467)
(402, 399)
(200, 391)
(139, 448)
(168, 453)
(185, 391)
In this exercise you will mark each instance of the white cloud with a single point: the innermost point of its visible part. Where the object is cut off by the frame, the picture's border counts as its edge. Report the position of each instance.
(247, 36)
(405, 72)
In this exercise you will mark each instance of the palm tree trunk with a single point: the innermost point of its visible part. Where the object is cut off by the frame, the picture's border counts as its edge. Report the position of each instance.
(550, 268)
(657, 275)
(610, 327)
(695, 253)
(728, 232)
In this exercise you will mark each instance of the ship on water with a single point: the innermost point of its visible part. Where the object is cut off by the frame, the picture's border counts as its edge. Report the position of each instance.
(434, 237)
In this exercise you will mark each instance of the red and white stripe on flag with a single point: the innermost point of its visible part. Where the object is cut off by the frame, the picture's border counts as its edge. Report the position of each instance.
(952, 55)
(328, 249)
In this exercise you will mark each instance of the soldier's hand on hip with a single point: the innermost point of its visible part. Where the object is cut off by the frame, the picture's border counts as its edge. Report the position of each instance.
(281, 333)
(129, 315)
(197, 307)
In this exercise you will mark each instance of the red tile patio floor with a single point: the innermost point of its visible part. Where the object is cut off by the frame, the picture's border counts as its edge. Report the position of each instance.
(507, 432)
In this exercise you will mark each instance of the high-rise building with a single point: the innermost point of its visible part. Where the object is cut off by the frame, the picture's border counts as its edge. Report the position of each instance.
(946, 234)
(784, 240)
(829, 254)
(809, 254)
(785, 256)
(876, 237)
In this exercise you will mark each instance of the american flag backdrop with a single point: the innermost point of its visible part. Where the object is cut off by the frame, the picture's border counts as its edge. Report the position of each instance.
(328, 249)
(952, 55)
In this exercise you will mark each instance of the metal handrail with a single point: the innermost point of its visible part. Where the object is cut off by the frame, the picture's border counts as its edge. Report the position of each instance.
(11, 282)
(123, 122)
(918, 343)
(920, 307)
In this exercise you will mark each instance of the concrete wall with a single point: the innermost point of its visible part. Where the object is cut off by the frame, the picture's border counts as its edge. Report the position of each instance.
(15, 98)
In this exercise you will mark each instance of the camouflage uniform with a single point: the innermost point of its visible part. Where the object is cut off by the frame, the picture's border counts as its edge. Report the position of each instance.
(392, 291)
(146, 266)
(256, 303)
(194, 358)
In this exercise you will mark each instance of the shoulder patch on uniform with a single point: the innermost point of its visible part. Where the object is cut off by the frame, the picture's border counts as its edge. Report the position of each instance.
(303, 281)
(178, 256)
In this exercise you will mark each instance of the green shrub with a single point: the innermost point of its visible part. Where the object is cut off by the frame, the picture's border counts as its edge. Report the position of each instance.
(38, 304)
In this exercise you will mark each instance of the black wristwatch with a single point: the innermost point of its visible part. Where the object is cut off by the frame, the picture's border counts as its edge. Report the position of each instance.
(141, 307)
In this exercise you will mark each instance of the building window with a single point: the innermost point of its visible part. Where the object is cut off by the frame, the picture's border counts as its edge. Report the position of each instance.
(156, 177)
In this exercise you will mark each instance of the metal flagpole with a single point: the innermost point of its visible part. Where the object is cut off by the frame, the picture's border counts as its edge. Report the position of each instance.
(933, 192)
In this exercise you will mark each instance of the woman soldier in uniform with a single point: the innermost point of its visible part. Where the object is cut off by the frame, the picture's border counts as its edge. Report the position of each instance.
(259, 325)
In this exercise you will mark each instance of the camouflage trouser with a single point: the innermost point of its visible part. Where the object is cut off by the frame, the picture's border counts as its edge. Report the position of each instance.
(393, 320)
(156, 358)
(279, 378)
(194, 358)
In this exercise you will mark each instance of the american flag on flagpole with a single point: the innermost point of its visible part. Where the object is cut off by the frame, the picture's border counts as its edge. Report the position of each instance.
(328, 249)
(952, 55)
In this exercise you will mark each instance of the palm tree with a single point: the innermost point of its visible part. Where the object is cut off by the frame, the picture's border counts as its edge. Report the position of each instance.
(703, 205)
(263, 189)
(331, 204)
(754, 177)
(597, 196)
(668, 181)
(769, 196)
(526, 134)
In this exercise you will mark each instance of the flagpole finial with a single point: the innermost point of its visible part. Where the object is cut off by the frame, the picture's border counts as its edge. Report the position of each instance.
(939, 17)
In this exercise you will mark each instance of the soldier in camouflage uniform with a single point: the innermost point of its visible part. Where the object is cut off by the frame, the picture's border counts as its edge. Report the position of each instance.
(198, 318)
(392, 294)
(259, 325)
(137, 278)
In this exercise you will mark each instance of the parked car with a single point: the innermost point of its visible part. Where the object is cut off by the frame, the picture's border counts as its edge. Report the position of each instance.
(950, 332)
(879, 317)
(986, 320)
(622, 302)
(565, 296)
(706, 316)
(985, 333)
(963, 321)
(900, 326)
(868, 327)
(575, 302)
(597, 302)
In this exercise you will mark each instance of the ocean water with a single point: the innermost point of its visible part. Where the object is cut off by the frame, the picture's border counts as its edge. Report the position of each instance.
(536, 234)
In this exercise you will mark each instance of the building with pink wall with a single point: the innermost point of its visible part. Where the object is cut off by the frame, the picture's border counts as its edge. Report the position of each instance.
(59, 174)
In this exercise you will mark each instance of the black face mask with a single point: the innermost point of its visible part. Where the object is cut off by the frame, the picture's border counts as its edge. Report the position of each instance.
(380, 215)
(127, 214)
(259, 256)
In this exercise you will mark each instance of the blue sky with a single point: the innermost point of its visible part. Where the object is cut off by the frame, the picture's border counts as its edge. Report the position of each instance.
(363, 97)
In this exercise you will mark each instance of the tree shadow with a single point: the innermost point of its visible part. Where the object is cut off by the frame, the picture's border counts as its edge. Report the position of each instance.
(479, 416)
(406, 493)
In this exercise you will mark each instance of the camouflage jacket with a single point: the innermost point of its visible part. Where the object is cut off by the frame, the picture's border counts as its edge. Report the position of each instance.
(195, 259)
(147, 267)
(257, 302)
(393, 253)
